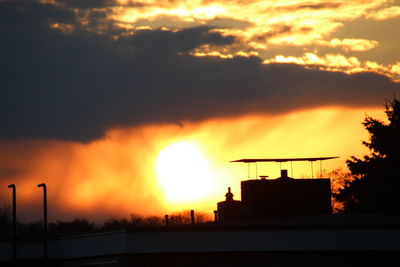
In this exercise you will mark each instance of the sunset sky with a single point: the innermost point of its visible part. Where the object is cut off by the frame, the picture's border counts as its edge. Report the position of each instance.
(127, 107)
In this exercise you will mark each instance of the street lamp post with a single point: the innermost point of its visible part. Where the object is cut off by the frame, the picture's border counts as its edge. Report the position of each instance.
(44, 220)
(14, 215)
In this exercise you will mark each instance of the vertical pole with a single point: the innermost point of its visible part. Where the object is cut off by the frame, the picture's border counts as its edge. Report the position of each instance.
(45, 255)
(215, 216)
(291, 168)
(320, 168)
(248, 171)
(166, 220)
(192, 215)
(14, 226)
(256, 171)
(312, 171)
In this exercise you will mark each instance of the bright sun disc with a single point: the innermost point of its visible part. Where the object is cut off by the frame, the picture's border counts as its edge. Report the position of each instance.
(183, 172)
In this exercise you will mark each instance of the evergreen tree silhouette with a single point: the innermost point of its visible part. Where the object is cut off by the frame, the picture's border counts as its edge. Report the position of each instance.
(376, 184)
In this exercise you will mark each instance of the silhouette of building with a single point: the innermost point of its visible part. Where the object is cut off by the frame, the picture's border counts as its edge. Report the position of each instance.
(230, 208)
(332, 240)
(281, 197)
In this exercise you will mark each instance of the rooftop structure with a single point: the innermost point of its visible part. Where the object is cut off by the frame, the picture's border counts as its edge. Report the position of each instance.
(281, 197)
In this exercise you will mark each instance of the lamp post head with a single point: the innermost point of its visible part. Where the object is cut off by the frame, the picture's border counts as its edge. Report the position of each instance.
(11, 186)
(41, 185)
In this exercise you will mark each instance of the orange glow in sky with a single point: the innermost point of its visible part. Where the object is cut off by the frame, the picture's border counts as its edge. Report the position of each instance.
(155, 169)
(138, 106)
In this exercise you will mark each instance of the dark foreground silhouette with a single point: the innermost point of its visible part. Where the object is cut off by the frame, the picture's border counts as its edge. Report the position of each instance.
(375, 177)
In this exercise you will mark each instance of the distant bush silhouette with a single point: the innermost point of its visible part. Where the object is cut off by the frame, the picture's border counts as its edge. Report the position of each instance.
(5, 222)
(77, 225)
(339, 179)
(29, 229)
(115, 223)
(183, 217)
(120, 223)
(139, 221)
(81, 225)
(376, 178)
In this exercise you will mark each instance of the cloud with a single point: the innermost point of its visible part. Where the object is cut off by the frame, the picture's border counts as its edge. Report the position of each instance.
(76, 85)
(276, 30)
(349, 44)
(310, 6)
(338, 62)
(385, 13)
(86, 4)
(175, 22)
(161, 41)
(304, 23)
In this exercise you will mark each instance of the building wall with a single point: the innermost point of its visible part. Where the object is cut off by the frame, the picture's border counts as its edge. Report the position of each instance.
(216, 246)
(229, 210)
(272, 259)
(285, 197)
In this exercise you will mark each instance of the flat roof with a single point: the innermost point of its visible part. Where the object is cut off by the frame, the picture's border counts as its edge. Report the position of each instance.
(283, 159)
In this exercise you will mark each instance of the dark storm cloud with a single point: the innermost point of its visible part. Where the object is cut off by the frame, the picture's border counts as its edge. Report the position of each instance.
(30, 13)
(84, 4)
(276, 30)
(75, 86)
(159, 41)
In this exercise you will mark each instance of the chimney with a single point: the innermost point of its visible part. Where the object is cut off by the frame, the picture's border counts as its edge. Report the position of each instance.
(229, 195)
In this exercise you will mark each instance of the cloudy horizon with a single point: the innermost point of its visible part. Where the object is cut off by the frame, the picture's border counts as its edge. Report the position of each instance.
(80, 79)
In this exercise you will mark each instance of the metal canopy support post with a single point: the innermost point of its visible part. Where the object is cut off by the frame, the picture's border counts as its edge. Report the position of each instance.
(320, 169)
(312, 171)
(291, 167)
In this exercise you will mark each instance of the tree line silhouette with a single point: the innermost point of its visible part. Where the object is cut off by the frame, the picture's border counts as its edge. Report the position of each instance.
(370, 186)
(27, 230)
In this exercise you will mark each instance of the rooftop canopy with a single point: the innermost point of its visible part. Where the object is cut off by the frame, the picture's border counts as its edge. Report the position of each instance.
(282, 159)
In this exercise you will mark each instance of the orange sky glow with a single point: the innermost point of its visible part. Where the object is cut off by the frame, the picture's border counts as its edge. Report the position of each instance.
(117, 175)
(137, 106)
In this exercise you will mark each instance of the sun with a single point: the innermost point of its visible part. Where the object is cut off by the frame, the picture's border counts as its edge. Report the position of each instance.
(183, 173)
